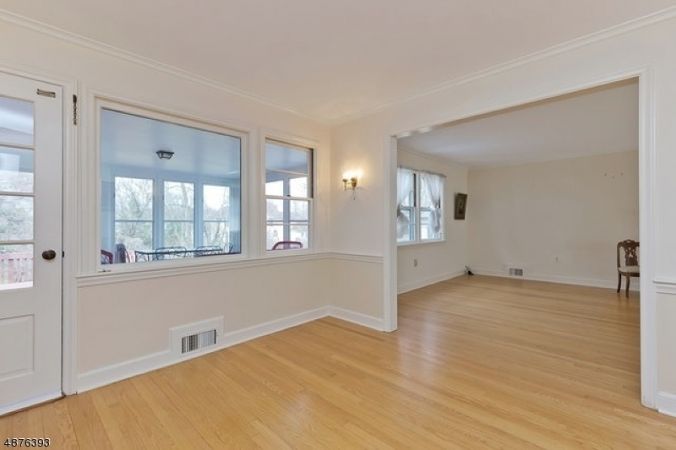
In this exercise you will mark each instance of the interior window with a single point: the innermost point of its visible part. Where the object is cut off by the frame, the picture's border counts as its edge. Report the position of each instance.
(168, 191)
(288, 191)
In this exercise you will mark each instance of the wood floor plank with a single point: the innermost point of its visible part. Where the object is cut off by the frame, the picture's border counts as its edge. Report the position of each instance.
(477, 362)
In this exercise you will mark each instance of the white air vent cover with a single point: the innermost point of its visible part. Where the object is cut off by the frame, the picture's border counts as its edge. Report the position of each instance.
(196, 337)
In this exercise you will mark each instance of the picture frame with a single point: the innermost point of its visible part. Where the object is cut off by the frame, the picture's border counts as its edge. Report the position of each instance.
(460, 206)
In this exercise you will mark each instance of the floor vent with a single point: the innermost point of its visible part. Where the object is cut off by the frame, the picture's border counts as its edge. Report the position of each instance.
(198, 341)
(515, 272)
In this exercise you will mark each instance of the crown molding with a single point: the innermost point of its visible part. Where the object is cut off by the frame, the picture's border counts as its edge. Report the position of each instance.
(126, 55)
(95, 45)
(582, 41)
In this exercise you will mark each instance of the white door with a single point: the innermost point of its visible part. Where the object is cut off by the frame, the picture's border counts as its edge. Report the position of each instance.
(30, 241)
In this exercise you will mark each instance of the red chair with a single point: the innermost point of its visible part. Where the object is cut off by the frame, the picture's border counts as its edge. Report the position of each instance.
(287, 245)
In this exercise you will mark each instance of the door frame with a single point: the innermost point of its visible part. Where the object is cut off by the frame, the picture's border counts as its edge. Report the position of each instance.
(69, 153)
(646, 150)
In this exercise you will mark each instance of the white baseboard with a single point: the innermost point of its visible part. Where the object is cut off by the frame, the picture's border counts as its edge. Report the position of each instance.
(417, 284)
(591, 282)
(666, 403)
(355, 317)
(127, 369)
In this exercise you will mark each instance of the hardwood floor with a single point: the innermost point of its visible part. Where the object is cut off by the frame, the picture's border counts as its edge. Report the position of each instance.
(476, 363)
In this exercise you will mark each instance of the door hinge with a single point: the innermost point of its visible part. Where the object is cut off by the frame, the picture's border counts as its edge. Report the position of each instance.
(74, 109)
(44, 93)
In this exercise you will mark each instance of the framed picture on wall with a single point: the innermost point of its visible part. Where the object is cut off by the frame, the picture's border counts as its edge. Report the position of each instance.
(460, 206)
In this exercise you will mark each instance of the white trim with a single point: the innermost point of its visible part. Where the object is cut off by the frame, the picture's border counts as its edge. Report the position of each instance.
(356, 317)
(307, 144)
(582, 41)
(145, 271)
(561, 279)
(6, 409)
(73, 38)
(425, 242)
(136, 366)
(665, 286)
(89, 178)
(417, 284)
(390, 304)
(126, 369)
(666, 403)
(116, 52)
(372, 259)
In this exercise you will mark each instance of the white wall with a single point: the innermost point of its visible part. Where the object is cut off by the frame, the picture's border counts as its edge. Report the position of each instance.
(437, 261)
(559, 220)
(649, 47)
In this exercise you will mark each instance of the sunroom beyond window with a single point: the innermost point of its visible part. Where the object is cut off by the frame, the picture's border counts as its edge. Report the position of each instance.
(152, 208)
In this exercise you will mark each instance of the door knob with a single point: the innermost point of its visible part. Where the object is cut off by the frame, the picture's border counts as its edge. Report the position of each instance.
(48, 255)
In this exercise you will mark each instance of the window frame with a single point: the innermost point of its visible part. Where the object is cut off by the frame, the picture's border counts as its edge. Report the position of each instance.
(418, 209)
(299, 144)
(101, 103)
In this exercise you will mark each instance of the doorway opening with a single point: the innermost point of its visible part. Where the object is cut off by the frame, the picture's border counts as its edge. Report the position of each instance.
(535, 202)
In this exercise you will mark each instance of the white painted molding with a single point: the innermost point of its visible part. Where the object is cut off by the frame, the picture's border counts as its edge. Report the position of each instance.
(171, 269)
(95, 45)
(665, 285)
(591, 282)
(126, 369)
(411, 286)
(117, 52)
(355, 317)
(582, 41)
(666, 403)
(5, 409)
(371, 259)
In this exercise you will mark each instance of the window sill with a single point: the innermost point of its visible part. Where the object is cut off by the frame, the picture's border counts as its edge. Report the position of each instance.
(427, 242)
(160, 269)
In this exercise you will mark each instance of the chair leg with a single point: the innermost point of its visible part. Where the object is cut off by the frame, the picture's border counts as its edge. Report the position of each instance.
(619, 282)
(628, 282)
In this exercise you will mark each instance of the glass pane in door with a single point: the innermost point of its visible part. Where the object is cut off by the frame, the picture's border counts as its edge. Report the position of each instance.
(16, 170)
(16, 218)
(16, 122)
(16, 266)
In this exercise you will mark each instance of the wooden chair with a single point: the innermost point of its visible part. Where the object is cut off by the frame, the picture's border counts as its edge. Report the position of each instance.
(630, 268)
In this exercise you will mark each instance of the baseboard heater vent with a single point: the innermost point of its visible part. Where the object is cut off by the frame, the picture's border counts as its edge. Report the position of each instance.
(198, 341)
(515, 272)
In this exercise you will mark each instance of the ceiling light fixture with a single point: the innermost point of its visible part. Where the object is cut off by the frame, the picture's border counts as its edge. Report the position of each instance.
(164, 154)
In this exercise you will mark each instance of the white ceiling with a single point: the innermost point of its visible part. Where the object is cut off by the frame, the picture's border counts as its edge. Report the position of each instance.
(597, 121)
(333, 59)
(129, 141)
(132, 141)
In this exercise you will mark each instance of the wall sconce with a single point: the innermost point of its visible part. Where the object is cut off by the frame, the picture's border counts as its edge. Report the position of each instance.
(350, 181)
(164, 154)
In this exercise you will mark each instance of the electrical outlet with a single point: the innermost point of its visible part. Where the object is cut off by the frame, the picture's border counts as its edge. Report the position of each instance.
(415, 262)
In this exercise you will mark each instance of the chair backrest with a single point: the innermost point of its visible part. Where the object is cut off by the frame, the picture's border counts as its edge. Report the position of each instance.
(121, 255)
(106, 257)
(170, 252)
(285, 245)
(630, 249)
